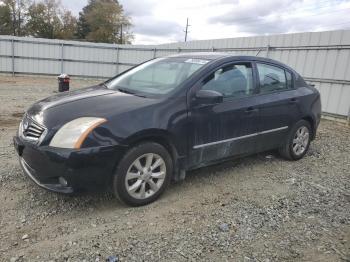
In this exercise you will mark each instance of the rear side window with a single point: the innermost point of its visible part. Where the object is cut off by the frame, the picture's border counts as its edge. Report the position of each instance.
(273, 78)
(234, 80)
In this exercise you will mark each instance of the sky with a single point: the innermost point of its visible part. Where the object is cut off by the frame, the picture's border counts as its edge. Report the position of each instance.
(164, 21)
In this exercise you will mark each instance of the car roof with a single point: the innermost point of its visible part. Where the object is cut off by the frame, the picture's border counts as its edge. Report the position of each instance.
(202, 55)
(216, 56)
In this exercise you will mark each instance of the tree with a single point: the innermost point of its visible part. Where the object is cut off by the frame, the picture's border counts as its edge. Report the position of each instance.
(69, 25)
(47, 19)
(5, 20)
(83, 27)
(43, 19)
(12, 16)
(104, 21)
(99, 21)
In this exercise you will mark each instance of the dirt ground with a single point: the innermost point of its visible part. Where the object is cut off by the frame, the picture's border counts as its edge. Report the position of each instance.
(260, 208)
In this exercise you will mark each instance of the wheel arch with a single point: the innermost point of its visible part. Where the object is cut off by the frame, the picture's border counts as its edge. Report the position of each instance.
(155, 135)
(312, 123)
(165, 139)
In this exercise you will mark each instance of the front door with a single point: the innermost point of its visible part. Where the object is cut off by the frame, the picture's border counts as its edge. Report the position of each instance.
(229, 128)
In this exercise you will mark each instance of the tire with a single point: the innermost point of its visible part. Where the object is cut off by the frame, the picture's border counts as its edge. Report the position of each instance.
(143, 174)
(288, 150)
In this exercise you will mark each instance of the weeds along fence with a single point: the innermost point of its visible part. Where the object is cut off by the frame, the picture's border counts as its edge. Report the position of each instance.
(323, 58)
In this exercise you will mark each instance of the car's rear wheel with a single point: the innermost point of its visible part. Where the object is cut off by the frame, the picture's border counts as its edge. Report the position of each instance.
(298, 141)
(143, 174)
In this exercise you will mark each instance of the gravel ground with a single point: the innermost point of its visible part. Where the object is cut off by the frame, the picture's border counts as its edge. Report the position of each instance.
(260, 208)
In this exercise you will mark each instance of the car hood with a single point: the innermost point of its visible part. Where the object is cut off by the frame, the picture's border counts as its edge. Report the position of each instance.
(95, 101)
(72, 96)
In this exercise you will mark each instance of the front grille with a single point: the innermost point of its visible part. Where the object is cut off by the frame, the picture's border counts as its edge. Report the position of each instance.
(31, 130)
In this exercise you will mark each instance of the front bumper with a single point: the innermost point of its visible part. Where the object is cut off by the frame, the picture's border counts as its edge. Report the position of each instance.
(87, 168)
(34, 177)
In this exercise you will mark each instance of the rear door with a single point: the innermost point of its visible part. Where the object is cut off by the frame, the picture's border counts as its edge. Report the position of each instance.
(278, 105)
(228, 128)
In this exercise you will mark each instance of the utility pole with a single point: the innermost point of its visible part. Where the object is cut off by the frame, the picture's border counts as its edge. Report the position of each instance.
(186, 31)
(19, 17)
(14, 18)
(121, 33)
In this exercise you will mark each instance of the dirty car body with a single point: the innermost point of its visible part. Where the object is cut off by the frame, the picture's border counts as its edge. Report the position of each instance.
(219, 106)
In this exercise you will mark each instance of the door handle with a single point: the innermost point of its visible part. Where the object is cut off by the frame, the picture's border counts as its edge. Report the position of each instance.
(251, 110)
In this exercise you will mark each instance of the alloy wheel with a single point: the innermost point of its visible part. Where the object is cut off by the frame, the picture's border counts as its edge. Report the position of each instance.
(301, 140)
(145, 176)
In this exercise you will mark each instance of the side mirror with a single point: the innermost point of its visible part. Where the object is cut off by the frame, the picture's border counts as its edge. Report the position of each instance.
(208, 97)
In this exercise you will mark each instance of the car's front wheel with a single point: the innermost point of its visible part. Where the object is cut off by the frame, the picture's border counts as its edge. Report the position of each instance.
(298, 141)
(143, 174)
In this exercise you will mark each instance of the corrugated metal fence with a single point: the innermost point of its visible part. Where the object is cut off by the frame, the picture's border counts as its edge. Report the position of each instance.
(323, 58)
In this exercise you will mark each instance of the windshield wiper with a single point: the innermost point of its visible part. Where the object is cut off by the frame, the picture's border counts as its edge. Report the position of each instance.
(127, 91)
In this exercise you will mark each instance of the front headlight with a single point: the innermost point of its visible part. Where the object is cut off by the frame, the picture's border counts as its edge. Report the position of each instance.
(73, 133)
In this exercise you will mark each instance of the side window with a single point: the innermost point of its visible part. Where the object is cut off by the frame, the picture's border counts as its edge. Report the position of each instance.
(235, 80)
(271, 78)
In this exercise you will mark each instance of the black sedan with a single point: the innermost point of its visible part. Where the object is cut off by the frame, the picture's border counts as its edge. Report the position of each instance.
(154, 122)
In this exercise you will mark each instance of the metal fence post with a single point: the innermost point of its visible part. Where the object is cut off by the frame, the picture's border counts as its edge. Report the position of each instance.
(62, 57)
(117, 62)
(268, 50)
(13, 56)
(154, 52)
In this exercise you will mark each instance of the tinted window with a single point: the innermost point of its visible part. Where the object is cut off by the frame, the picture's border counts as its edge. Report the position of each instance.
(234, 80)
(271, 78)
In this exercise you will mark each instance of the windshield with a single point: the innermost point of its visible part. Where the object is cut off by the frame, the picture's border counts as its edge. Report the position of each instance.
(158, 76)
